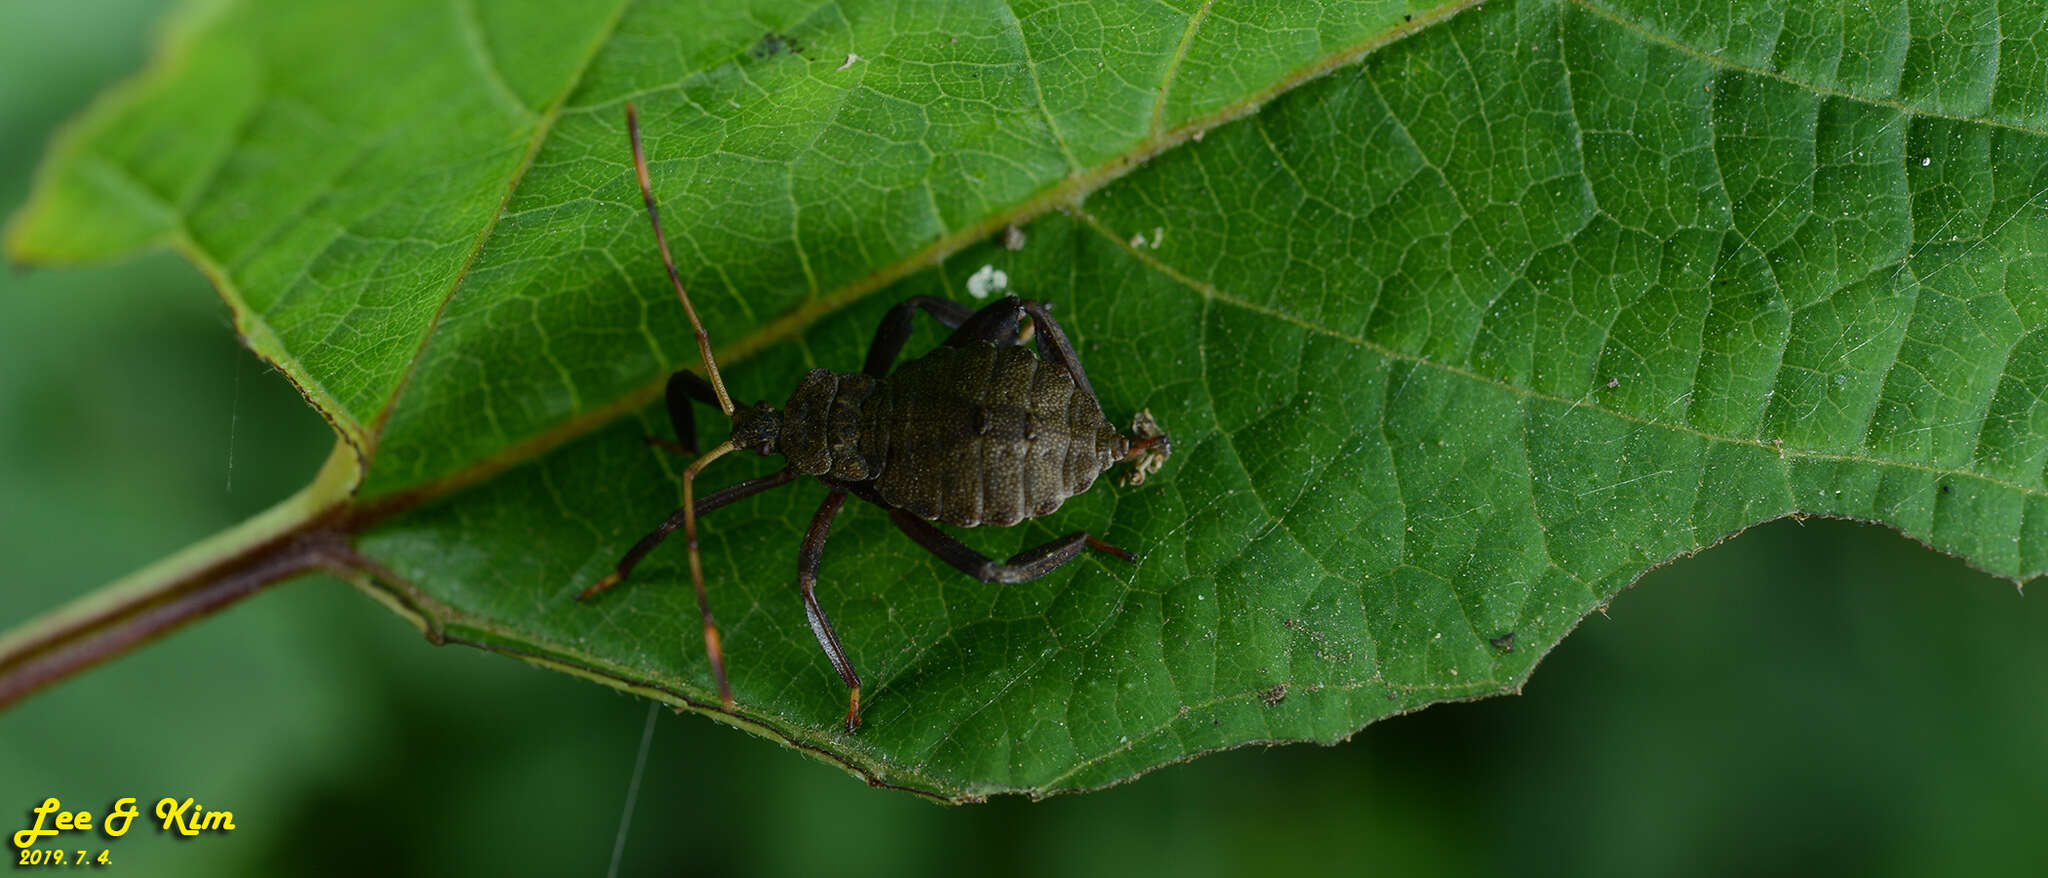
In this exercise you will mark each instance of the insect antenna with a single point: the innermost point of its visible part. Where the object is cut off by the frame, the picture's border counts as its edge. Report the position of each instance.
(712, 646)
(674, 278)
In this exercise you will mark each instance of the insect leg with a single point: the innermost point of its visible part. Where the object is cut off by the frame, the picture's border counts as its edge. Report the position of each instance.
(807, 559)
(1053, 346)
(712, 648)
(996, 323)
(713, 500)
(894, 331)
(686, 387)
(1022, 567)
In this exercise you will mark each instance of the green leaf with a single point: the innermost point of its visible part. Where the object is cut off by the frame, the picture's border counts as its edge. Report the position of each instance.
(1484, 314)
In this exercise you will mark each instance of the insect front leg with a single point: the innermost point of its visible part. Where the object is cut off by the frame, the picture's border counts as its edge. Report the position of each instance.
(1024, 566)
(712, 648)
(684, 388)
(713, 500)
(807, 560)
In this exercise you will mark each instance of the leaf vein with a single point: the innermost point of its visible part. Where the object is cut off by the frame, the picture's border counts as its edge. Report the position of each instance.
(1209, 291)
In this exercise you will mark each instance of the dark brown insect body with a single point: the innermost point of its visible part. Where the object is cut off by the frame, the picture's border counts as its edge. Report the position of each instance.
(967, 435)
(981, 430)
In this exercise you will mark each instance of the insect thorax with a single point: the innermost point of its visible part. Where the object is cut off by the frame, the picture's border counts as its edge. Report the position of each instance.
(823, 425)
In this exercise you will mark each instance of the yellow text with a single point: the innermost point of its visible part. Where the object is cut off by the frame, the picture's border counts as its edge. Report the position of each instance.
(190, 819)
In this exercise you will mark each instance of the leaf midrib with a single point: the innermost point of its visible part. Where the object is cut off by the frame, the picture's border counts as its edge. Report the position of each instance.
(1210, 291)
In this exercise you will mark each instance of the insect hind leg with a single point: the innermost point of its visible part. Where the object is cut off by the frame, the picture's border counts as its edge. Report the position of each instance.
(1024, 566)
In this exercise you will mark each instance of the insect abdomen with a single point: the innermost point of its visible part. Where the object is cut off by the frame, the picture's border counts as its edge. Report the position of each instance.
(978, 434)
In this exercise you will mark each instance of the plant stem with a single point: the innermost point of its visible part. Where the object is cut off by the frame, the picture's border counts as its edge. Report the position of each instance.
(295, 536)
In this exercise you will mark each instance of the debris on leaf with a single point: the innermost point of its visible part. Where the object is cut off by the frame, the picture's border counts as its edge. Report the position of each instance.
(776, 44)
(989, 279)
(1150, 460)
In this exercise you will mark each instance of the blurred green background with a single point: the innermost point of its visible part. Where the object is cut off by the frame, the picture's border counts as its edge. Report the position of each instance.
(1817, 696)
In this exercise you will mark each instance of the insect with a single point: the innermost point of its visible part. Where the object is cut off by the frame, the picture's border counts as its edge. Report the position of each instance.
(980, 431)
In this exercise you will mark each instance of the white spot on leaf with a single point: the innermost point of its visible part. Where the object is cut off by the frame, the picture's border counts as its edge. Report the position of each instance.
(988, 280)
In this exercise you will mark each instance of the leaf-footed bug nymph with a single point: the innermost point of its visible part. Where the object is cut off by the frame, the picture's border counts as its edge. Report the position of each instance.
(979, 431)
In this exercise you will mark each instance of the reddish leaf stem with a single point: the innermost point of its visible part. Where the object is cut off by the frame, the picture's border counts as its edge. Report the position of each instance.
(305, 532)
(44, 657)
